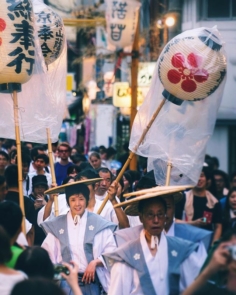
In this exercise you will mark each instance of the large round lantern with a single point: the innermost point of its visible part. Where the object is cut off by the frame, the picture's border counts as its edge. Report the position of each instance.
(50, 31)
(192, 67)
(122, 19)
(16, 44)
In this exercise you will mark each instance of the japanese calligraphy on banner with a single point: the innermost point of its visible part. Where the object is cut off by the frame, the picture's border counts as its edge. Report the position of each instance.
(50, 31)
(17, 46)
(122, 95)
(145, 72)
(122, 18)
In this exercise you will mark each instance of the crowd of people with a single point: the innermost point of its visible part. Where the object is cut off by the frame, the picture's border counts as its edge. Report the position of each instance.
(178, 242)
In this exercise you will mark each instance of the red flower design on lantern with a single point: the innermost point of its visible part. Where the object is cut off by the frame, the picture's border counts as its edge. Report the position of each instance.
(2, 28)
(188, 70)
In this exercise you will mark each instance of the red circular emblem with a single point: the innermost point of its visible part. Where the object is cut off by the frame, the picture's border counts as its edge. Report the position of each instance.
(188, 71)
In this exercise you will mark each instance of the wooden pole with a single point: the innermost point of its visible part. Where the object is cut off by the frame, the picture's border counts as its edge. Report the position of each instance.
(169, 166)
(54, 183)
(133, 153)
(19, 159)
(134, 87)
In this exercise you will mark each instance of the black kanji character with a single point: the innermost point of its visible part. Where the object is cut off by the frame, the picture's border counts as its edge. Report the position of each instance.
(116, 35)
(45, 49)
(24, 33)
(20, 58)
(45, 33)
(43, 17)
(19, 9)
(119, 8)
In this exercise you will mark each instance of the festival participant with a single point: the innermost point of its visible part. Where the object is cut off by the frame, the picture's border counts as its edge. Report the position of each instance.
(152, 263)
(82, 236)
(115, 215)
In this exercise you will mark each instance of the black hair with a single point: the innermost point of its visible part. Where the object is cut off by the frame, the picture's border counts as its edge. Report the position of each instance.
(44, 157)
(223, 175)
(207, 172)
(5, 246)
(226, 210)
(78, 189)
(10, 217)
(142, 204)
(34, 151)
(12, 154)
(88, 173)
(2, 180)
(215, 161)
(85, 166)
(78, 158)
(67, 179)
(11, 175)
(37, 286)
(71, 168)
(105, 170)
(5, 155)
(26, 159)
(232, 176)
(35, 262)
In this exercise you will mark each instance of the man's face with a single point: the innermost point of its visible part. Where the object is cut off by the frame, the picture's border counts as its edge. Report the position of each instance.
(104, 184)
(3, 162)
(77, 204)
(170, 211)
(3, 191)
(39, 164)
(153, 218)
(202, 182)
(64, 153)
(220, 183)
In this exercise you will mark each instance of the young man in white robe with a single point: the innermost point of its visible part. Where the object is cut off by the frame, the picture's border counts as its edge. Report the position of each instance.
(80, 236)
(151, 263)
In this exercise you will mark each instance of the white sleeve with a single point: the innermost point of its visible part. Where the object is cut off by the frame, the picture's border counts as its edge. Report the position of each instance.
(52, 245)
(121, 279)
(190, 268)
(104, 242)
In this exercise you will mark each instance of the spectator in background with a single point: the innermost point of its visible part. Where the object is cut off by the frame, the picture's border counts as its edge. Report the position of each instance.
(73, 170)
(222, 184)
(25, 170)
(95, 160)
(8, 277)
(9, 145)
(229, 211)
(3, 188)
(11, 219)
(4, 161)
(35, 262)
(40, 149)
(40, 163)
(64, 151)
(12, 157)
(200, 208)
(124, 156)
(29, 145)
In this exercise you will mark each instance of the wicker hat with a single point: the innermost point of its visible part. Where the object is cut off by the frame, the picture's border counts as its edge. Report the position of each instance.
(132, 205)
(71, 186)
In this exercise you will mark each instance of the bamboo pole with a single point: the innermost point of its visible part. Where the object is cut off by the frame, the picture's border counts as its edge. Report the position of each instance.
(135, 150)
(54, 183)
(19, 159)
(169, 166)
(134, 86)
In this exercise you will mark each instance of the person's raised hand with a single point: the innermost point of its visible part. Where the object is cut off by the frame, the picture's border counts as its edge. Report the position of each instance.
(112, 191)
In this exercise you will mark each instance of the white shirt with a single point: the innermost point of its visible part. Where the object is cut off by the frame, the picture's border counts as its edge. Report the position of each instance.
(8, 281)
(125, 280)
(103, 242)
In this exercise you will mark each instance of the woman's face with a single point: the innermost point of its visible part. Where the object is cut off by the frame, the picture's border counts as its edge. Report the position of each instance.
(96, 163)
(77, 204)
(232, 201)
(126, 184)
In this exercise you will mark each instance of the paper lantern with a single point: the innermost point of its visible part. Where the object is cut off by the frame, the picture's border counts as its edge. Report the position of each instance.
(50, 30)
(122, 18)
(192, 67)
(17, 48)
